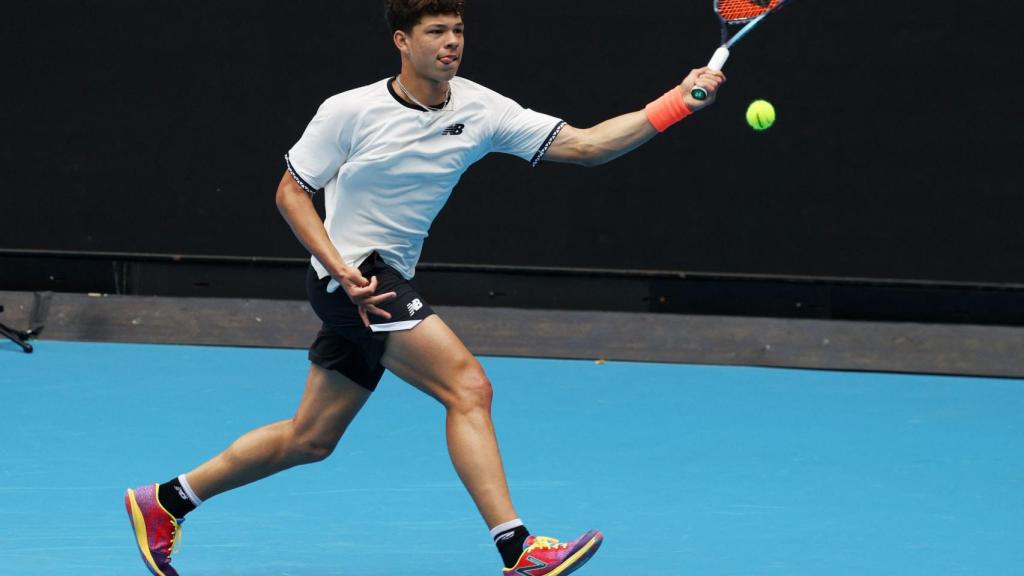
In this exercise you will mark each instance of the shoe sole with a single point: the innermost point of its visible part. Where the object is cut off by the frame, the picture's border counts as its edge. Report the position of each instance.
(580, 557)
(138, 521)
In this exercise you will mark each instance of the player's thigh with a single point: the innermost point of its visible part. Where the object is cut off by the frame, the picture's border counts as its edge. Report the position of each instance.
(432, 358)
(329, 404)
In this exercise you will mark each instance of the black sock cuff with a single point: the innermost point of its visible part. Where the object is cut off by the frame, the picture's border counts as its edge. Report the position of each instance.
(174, 499)
(510, 544)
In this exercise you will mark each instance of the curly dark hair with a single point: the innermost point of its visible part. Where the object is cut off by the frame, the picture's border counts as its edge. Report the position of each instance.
(405, 14)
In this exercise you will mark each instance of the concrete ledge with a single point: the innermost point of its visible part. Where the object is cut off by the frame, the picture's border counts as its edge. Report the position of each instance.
(818, 344)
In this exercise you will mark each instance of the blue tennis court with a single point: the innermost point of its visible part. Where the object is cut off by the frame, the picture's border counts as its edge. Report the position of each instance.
(694, 470)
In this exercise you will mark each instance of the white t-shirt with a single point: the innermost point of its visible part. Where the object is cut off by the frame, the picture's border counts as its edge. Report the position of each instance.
(387, 167)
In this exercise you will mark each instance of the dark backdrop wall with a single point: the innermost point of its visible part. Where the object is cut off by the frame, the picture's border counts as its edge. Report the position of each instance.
(159, 127)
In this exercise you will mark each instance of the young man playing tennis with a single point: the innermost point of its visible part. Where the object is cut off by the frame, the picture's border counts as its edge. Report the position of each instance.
(387, 156)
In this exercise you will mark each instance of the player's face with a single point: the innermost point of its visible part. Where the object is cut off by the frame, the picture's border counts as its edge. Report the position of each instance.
(435, 47)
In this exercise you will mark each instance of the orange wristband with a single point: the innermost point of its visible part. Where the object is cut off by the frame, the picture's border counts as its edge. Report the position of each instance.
(668, 109)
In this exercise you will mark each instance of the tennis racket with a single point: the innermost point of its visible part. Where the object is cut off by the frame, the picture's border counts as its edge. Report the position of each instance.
(732, 13)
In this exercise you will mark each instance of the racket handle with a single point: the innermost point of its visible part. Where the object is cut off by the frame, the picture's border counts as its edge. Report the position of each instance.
(717, 63)
(333, 286)
(719, 58)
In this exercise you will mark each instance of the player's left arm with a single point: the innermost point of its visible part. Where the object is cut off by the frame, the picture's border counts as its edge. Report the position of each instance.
(617, 136)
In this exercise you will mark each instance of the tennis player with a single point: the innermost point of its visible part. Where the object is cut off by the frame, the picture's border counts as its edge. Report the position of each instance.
(387, 156)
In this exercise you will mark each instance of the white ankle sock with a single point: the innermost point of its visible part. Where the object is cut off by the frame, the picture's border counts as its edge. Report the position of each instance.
(189, 492)
(505, 527)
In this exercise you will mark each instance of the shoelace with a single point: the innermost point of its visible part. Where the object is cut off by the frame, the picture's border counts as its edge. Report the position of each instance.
(175, 538)
(544, 542)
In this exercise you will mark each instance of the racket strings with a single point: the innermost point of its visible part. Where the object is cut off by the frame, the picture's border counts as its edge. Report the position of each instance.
(735, 11)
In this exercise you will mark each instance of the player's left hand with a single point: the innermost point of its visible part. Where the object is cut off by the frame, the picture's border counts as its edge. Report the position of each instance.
(706, 78)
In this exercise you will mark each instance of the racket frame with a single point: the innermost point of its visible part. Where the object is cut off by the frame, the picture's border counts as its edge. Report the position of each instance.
(721, 56)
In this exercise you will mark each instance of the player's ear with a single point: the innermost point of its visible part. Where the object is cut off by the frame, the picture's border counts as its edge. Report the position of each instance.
(401, 41)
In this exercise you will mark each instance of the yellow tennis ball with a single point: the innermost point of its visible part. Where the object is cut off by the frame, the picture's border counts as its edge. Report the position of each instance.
(760, 115)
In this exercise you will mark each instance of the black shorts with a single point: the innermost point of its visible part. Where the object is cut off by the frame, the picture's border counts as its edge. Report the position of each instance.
(344, 344)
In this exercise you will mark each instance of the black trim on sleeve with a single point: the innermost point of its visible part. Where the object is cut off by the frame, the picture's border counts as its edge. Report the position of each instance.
(547, 144)
(298, 179)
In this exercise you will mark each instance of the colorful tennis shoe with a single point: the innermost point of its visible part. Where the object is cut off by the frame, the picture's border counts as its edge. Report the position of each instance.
(157, 533)
(544, 556)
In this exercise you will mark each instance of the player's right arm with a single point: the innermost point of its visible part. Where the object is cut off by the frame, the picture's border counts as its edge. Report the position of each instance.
(617, 136)
(296, 206)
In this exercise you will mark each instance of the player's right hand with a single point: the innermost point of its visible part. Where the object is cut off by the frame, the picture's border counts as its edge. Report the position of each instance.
(708, 79)
(362, 293)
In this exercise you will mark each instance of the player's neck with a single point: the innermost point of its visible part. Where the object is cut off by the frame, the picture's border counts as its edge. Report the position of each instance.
(429, 92)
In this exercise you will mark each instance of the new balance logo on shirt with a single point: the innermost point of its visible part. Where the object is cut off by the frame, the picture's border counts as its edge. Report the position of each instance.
(453, 130)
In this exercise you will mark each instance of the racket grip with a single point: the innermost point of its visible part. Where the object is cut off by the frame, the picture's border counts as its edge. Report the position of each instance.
(717, 62)
(333, 286)
(719, 58)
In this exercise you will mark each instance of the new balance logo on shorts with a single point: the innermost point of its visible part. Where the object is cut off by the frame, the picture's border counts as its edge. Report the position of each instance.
(453, 130)
(414, 306)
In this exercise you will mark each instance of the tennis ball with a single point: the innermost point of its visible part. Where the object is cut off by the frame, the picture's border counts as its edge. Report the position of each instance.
(760, 115)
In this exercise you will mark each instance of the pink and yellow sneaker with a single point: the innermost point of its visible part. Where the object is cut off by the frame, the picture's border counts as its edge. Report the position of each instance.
(157, 532)
(548, 557)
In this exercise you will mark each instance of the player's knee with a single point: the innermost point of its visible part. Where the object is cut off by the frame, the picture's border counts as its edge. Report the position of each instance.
(473, 391)
(308, 449)
(311, 452)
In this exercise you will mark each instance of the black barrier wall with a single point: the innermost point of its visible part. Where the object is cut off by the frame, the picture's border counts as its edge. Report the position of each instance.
(159, 127)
